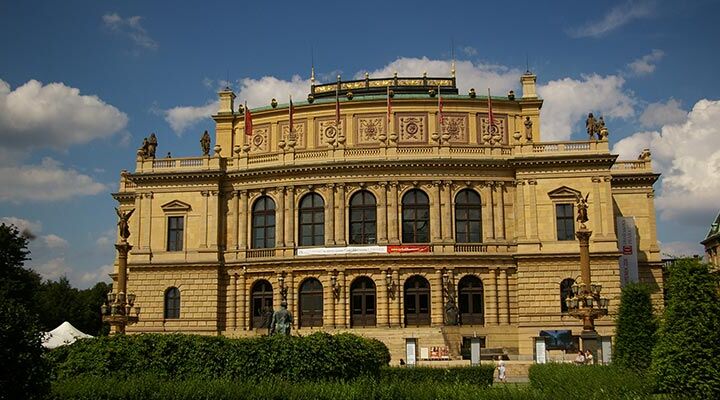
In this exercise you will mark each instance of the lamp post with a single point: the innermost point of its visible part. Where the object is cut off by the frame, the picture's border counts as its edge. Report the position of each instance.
(120, 309)
(585, 302)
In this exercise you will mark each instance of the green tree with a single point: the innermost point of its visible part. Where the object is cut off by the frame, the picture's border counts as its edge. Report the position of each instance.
(636, 328)
(23, 369)
(90, 318)
(685, 359)
(59, 302)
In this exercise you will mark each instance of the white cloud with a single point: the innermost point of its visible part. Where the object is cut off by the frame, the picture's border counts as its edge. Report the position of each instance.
(45, 182)
(469, 51)
(681, 249)
(99, 275)
(53, 269)
(615, 18)
(106, 238)
(53, 115)
(568, 101)
(23, 225)
(659, 114)
(130, 27)
(688, 154)
(646, 64)
(54, 241)
(183, 117)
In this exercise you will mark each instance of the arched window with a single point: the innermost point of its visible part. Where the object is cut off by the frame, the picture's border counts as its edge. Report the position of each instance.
(470, 299)
(172, 303)
(312, 220)
(263, 223)
(417, 301)
(311, 303)
(565, 292)
(262, 304)
(362, 302)
(362, 218)
(468, 221)
(415, 217)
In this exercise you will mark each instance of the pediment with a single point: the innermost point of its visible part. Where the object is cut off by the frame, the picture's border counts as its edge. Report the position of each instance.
(175, 205)
(564, 192)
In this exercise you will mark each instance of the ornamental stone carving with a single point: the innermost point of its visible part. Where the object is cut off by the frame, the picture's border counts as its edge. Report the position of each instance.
(297, 139)
(259, 138)
(413, 129)
(369, 129)
(329, 131)
(492, 135)
(455, 127)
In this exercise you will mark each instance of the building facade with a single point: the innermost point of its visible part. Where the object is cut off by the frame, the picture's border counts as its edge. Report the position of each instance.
(712, 242)
(387, 211)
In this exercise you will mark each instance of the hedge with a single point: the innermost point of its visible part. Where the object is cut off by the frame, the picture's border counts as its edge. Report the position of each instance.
(636, 328)
(316, 357)
(566, 381)
(481, 375)
(152, 388)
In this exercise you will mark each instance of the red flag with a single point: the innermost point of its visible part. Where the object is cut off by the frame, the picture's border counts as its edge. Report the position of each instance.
(389, 107)
(290, 111)
(441, 118)
(248, 121)
(491, 118)
(337, 105)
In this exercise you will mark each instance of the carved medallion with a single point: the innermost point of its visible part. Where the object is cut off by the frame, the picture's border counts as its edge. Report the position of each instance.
(298, 134)
(329, 131)
(259, 139)
(412, 129)
(369, 128)
(495, 134)
(456, 127)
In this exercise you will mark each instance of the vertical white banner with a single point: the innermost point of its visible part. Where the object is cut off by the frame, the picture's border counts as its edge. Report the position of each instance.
(540, 356)
(627, 244)
(410, 346)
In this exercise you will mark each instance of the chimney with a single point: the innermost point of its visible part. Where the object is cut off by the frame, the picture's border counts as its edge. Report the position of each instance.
(528, 80)
(226, 101)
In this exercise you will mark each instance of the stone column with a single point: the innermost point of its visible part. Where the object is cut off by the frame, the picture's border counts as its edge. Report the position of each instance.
(344, 291)
(393, 210)
(292, 296)
(492, 296)
(533, 214)
(399, 294)
(501, 210)
(204, 221)
(242, 220)
(436, 299)
(330, 215)
(596, 199)
(234, 301)
(382, 211)
(520, 209)
(503, 297)
(148, 207)
(435, 222)
(388, 291)
(290, 218)
(233, 220)
(213, 218)
(333, 301)
(280, 218)
(340, 216)
(447, 221)
(243, 300)
(609, 221)
(489, 195)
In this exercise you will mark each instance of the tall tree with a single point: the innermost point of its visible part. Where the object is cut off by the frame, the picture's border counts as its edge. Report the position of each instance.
(685, 359)
(636, 328)
(16, 282)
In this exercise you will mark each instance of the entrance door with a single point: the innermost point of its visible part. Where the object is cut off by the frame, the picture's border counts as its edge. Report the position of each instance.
(470, 293)
(417, 301)
(311, 303)
(362, 294)
(262, 304)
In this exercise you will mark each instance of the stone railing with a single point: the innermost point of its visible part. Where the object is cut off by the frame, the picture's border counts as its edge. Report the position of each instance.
(253, 160)
(631, 166)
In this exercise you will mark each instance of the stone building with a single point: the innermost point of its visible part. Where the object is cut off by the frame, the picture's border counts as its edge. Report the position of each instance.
(386, 210)
(712, 243)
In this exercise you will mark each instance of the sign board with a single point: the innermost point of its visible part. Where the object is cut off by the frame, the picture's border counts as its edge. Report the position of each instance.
(410, 350)
(475, 351)
(606, 345)
(540, 351)
(627, 244)
(333, 251)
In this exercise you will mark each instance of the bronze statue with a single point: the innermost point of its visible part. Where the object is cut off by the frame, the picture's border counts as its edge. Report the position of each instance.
(451, 313)
(582, 206)
(123, 225)
(281, 321)
(591, 126)
(528, 129)
(205, 143)
(152, 144)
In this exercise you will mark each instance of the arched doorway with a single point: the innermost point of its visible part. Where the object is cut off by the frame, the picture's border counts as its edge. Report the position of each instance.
(417, 301)
(262, 304)
(363, 302)
(470, 299)
(311, 303)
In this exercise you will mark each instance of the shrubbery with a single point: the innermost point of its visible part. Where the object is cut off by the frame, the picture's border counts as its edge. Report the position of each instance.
(480, 375)
(685, 359)
(636, 326)
(569, 381)
(316, 357)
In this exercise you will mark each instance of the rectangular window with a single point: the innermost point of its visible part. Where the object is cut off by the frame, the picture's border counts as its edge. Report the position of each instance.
(565, 222)
(175, 233)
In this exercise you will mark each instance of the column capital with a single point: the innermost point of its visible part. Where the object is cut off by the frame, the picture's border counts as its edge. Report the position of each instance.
(596, 179)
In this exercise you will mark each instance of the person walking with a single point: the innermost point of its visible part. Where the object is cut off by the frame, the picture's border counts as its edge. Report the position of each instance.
(501, 370)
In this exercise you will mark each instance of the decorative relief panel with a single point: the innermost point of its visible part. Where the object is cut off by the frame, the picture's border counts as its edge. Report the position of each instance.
(369, 127)
(298, 130)
(456, 126)
(413, 129)
(328, 131)
(259, 141)
(496, 134)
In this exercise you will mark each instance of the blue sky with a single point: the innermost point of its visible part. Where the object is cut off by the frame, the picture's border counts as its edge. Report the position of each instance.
(82, 82)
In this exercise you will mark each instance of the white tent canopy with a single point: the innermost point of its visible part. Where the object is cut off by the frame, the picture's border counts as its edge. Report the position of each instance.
(62, 335)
